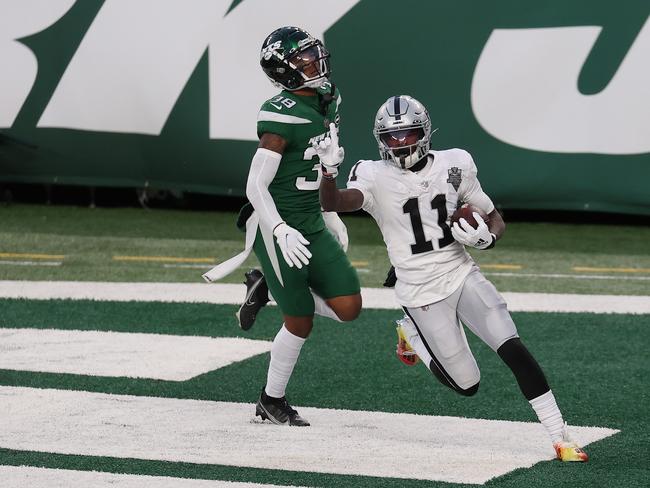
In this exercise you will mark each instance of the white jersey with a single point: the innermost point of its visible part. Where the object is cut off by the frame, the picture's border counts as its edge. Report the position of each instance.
(412, 211)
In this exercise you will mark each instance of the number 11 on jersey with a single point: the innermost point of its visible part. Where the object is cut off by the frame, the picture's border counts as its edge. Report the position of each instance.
(412, 208)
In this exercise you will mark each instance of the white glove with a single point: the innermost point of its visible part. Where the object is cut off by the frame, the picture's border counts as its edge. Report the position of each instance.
(480, 238)
(337, 228)
(328, 151)
(292, 244)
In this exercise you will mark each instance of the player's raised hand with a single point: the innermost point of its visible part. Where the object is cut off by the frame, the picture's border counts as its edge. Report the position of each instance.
(293, 245)
(479, 237)
(329, 152)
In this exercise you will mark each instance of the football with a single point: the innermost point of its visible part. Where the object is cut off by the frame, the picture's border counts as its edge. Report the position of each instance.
(465, 212)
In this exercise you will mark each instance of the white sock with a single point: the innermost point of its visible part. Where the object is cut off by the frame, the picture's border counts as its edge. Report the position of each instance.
(284, 355)
(415, 341)
(323, 309)
(549, 415)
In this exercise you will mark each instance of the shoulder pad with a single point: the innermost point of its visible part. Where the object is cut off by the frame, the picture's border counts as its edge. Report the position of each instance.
(281, 103)
(280, 109)
(364, 169)
(456, 157)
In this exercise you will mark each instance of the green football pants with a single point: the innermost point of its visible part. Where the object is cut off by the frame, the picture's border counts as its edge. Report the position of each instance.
(329, 273)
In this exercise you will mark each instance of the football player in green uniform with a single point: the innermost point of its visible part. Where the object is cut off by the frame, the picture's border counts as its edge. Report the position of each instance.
(305, 267)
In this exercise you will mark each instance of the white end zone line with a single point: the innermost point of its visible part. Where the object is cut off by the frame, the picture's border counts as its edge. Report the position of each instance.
(122, 354)
(27, 476)
(220, 293)
(348, 442)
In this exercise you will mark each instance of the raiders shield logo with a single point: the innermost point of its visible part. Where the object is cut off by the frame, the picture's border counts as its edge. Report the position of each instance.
(455, 177)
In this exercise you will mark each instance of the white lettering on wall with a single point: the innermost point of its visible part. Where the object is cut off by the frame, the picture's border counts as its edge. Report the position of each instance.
(18, 19)
(136, 58)
(525, 93)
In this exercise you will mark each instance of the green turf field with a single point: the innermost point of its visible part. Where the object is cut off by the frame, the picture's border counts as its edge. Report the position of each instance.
(175, 246)
(596, 363)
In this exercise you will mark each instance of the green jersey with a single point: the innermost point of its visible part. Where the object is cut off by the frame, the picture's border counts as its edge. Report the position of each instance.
(300, 121)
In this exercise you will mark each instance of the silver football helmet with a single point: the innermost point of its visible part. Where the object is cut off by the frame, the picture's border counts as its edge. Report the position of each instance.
(403, 131)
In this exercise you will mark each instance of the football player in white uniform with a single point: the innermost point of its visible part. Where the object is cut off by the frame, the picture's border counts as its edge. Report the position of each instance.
(411, 192)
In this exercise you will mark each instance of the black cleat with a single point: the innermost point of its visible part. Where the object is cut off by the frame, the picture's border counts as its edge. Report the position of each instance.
(257, 295)
(278, 411)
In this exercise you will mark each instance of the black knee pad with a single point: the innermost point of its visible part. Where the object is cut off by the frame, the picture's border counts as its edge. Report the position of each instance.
(523, 365)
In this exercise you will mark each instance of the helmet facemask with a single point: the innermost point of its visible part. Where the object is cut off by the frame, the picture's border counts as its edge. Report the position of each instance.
(404, 147)
(312, 64)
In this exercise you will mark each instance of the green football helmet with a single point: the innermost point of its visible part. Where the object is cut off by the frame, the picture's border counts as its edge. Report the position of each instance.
(293, 59)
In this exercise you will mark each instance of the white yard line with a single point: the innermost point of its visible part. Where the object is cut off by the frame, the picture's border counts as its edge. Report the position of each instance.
(569, 276)
(31, 263)
(122, 354)
(27, 476)
(381, 298)
(352, 442)
(205, 267)
(557, 302)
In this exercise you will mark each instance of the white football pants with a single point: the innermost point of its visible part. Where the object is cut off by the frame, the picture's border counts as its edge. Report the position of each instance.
(476, 303)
